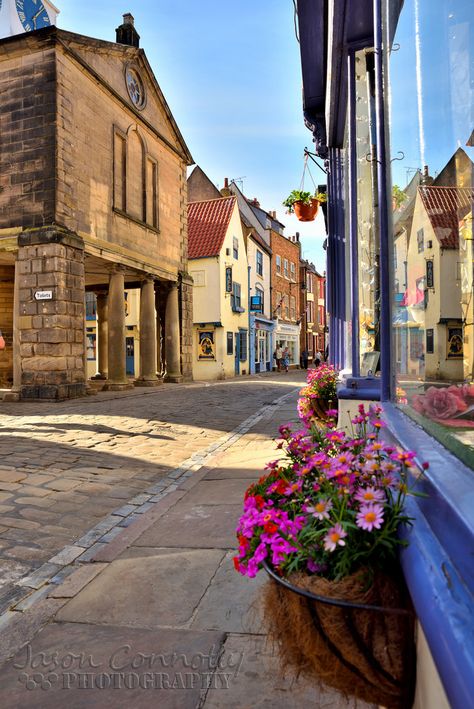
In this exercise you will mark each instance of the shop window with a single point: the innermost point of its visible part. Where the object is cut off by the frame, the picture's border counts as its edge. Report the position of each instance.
(434, 321)
(91, 306)
(259, 263)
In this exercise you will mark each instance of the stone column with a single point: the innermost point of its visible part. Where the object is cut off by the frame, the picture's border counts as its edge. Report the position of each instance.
(116, 332)
(14, 394)
(147, 335)
(102, 330)
(159, 358)
(172, 337)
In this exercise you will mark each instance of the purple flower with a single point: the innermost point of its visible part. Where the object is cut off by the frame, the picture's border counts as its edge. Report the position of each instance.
(334, 538)
(370, 517)
(370, 494)
(320, 509)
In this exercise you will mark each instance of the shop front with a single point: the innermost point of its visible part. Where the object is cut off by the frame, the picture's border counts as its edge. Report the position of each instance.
(388, 95)
(287, 335)
(261, 330)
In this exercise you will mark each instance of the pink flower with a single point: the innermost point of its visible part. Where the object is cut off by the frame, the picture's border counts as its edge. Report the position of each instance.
(439, 403)
(334, 538)
(370, 494)
(370, 516)
(320, 509)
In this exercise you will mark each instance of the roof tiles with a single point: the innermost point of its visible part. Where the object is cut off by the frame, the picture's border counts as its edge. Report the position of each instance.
(208, 222)
(445, 207)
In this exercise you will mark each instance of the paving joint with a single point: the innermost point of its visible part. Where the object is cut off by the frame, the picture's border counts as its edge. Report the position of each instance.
(73, 557)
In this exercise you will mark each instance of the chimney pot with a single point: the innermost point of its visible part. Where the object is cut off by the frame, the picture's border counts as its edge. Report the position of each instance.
(226, 182)
(128, 19)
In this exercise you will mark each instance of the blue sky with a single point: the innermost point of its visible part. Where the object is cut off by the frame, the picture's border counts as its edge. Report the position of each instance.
(231, 75)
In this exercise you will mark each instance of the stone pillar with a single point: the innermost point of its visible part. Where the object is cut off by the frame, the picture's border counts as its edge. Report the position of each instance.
(186, 292)
(116, 342)
(14, 393)
(102, 330)
(159, 321)
(172, 337)
(147, 335)
(51, 315)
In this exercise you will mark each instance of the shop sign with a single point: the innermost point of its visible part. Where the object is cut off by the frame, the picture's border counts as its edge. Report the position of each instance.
(429, 274)
(228, 279)
(206, 344)
(256, 303)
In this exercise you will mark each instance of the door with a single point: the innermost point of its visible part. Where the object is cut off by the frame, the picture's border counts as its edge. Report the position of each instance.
(130, 356)
(237, 352)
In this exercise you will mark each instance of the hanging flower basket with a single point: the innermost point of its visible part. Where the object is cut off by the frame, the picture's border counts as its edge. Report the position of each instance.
(320, 407)
(306, 212)
(355, 639)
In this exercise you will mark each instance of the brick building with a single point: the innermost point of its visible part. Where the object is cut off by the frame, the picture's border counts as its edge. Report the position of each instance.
(313, 311)
(286, 293)
(92, 198)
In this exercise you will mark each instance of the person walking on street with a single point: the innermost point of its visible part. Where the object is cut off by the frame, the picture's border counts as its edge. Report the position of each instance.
(286, 358)
(278, 354)
(317, 359)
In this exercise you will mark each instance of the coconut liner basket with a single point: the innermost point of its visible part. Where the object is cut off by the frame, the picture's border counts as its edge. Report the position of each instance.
(355, 639)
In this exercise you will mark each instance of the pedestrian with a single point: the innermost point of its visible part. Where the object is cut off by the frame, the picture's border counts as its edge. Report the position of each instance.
(317, 359)
(278, 354)
(304, 359)
(286, 358)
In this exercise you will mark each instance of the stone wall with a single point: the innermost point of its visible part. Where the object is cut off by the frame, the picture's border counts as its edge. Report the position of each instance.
(7, 276)
(27, 129)
(51, 331)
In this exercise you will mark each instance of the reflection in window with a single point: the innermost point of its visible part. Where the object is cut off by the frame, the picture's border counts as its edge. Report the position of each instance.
(432, 126)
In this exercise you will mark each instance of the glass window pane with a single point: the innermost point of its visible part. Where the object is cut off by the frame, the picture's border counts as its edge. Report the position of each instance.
(432, 99)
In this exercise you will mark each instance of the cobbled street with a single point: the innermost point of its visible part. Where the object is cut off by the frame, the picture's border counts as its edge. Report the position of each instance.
(65, 468)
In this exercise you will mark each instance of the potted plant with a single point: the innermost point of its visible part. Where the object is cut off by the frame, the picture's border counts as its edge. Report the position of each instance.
(398, 197)
(319, 394)
(324, 522)
(304, 204)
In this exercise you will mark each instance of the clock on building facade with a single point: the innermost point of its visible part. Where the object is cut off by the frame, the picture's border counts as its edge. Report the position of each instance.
(33, 14)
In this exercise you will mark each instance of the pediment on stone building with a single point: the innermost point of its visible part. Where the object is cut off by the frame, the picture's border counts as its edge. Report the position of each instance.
(126, 72)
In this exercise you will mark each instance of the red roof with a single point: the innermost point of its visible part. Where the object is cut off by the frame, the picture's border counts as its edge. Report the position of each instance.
(445, 207)
(207, 226)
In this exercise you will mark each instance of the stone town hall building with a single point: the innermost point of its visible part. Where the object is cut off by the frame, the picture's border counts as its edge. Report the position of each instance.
(92, 198)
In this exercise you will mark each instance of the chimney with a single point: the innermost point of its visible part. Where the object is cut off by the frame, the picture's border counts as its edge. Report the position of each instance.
(255, 202)
(297, 237)
(126, 33)
(226, 183)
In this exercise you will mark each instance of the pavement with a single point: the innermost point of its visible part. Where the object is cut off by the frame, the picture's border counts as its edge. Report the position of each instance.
(145, 608)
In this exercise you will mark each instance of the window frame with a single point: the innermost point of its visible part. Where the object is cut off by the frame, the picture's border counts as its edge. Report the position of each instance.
(259, 262)
(278, 264)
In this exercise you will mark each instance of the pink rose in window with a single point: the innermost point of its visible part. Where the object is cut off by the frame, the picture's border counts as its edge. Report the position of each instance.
(440, 403)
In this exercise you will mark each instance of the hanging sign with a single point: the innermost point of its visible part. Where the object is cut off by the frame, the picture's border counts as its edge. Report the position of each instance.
(429, 274)
(228, 279)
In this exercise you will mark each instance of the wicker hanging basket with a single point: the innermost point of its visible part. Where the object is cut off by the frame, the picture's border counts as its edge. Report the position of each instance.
(359, 641)
(306, 212)
(320, 407)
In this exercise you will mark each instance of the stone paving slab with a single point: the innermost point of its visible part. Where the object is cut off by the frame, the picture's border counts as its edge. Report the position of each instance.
(96, 667)
(195, 526)
(217, 492)
(146, 592)
(259, 683)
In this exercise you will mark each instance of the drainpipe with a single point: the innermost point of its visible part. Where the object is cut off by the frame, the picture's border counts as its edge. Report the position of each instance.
(250, 348)
(385, 241)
